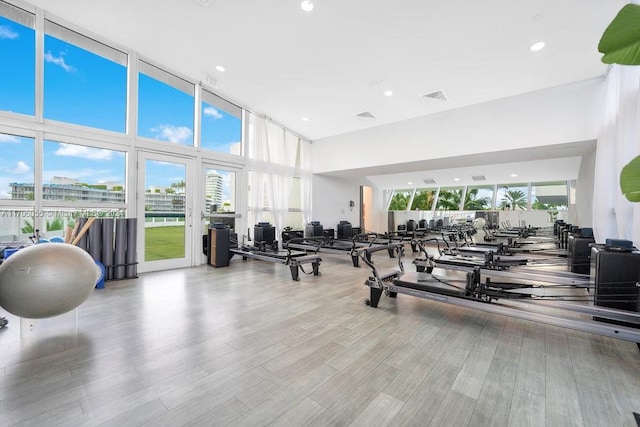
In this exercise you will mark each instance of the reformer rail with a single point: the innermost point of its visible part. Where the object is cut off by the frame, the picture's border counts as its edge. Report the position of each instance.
(437, 284)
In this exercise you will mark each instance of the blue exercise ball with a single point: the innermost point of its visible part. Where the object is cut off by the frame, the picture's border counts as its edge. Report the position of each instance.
(42, 281)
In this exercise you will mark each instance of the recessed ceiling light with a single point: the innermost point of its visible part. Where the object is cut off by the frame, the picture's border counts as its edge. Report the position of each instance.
(513, 175)
(409, 183)
(307, 5)
(456, 179)
(536, 46)
(220, 68)
(305, 119)
(388, 92)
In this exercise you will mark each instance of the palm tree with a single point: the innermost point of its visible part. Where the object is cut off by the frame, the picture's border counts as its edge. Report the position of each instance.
(423, 200)
(399, 202)
(179, 186)
(473, 203)
(449, 200)
(513, 198)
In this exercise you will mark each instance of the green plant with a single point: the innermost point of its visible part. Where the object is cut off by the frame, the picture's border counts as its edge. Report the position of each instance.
(399, 201)
(514, 199)
(630, 180)
(56, 224)
(474, 203)
(28, 227)
(449, 200)
(620, 44)
(423, 200)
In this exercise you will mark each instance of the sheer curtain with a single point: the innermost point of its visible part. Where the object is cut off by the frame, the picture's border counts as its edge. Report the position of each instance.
(256, 152)
(305, 175)
(618, 142)
(273, 154)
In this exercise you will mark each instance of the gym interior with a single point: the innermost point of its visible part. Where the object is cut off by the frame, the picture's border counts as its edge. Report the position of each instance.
(319, 213)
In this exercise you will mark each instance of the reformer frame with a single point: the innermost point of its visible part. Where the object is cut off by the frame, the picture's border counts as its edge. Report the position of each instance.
(515, 302)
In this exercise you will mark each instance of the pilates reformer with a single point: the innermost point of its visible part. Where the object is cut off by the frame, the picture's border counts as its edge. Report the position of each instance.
(502, 292)
(462, 242)
(271, 253)
(488, 259)
(336, 246)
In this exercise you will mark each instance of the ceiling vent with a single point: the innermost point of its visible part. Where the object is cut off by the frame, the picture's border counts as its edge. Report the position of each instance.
(365, 115)
(204, 3)
(478, 177)
(433, 97)
(429, 181)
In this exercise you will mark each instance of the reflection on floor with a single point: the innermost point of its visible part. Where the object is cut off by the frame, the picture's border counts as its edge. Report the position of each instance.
(245, 345)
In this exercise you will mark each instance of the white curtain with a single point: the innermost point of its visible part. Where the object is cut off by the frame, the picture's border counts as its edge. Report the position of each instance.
(280, 169)
(272, 158)
(256, 151)
(306, 178)
(618, 142)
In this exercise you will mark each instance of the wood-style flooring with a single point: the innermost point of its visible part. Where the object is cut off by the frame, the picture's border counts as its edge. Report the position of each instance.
(247, 346)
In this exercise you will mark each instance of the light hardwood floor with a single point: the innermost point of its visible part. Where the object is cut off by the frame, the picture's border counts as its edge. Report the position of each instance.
(247, 346)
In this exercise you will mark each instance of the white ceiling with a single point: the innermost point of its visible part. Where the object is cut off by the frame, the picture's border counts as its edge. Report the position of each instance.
(336, 61)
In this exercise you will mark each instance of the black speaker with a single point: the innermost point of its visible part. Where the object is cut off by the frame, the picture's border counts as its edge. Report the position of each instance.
(344, 230)
(313, 229)
(615, 273)
(578, 254)
(264, 232)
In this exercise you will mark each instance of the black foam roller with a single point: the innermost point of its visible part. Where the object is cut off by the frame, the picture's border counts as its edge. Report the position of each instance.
(120, 248)
(82, 243)
(95, 240)
(130, 258)
(107, 246)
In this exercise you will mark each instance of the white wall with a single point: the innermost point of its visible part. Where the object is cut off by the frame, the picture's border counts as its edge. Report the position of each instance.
(583, 215)
(558, 115)
(331, 198)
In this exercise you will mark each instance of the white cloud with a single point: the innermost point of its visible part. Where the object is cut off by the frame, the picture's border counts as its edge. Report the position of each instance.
(161, 163)
(4, 138)
(212, 112)
(21, 168)
(179, 134)
(68, 150)
(58, 60)
(82, 175)
(7, 33)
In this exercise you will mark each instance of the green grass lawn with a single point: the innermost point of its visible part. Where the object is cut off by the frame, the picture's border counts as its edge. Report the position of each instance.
(163, 243)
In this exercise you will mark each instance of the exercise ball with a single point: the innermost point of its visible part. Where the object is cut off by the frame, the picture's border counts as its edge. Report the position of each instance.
(46, 280)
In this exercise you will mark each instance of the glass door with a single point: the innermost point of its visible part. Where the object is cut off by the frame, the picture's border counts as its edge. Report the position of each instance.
(165, 213)
(220, 202)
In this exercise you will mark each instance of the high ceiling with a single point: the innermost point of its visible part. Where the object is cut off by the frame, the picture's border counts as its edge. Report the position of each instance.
(336, 61)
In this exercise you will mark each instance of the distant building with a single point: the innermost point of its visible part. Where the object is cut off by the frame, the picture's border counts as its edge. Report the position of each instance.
(67, 192)
(164, 202)
(216, 193)
(213, 192)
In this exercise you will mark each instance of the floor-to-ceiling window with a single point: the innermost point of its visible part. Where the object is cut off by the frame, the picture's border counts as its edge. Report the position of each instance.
(165, 105)
(85, 81)
(18, 58)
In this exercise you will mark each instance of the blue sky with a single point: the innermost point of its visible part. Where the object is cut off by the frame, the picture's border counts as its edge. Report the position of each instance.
(86, 89)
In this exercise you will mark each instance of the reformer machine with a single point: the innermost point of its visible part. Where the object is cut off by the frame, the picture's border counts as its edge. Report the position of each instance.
(352, 247)
(327, 244)
(501, 292)
(268, 250)
(549, 269)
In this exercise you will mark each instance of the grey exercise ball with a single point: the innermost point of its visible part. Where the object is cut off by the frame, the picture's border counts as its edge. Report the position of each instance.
(46, 280)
